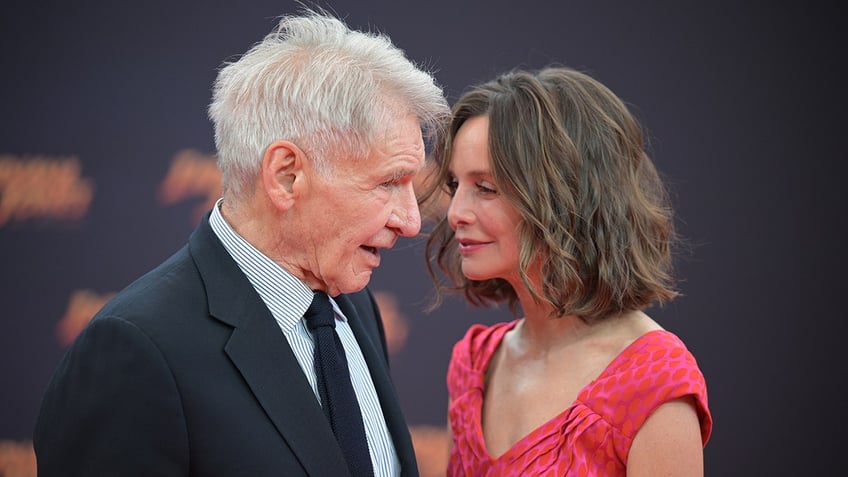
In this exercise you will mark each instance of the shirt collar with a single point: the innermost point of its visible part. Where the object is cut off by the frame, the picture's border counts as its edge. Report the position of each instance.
(285, 295)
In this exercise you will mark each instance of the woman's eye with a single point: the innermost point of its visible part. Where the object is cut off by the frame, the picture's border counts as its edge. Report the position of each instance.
(485, 188)
(452, 185)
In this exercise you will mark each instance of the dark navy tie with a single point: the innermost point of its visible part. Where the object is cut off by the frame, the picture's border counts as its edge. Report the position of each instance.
(337, 396)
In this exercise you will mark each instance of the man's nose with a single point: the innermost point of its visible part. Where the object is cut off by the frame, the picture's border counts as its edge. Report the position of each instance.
(406, 218)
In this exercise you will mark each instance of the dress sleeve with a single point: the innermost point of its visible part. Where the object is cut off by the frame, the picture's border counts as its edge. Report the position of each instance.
(461, 363)
(658, 370)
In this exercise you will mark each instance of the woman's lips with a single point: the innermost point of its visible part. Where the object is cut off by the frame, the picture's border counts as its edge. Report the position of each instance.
(467, 247)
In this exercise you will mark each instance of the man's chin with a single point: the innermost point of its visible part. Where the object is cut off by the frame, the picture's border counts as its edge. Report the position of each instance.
(353, 285)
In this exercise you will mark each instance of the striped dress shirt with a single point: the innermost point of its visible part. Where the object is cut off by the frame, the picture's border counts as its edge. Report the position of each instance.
(288, 298)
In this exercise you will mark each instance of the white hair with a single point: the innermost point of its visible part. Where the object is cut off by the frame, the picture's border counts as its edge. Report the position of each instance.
(317, 83)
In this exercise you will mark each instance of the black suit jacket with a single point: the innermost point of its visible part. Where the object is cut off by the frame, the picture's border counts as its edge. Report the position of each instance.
(185, 372)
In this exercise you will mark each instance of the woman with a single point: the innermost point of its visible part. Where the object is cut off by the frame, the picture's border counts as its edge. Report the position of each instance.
(557, 211)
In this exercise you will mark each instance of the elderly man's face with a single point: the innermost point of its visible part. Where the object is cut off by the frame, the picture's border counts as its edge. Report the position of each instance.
(361, 208)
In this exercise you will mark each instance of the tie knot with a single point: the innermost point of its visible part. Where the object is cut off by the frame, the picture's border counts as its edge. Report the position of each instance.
(320, 312)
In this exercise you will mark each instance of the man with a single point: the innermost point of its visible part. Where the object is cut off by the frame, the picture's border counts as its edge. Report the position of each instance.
(205, 365)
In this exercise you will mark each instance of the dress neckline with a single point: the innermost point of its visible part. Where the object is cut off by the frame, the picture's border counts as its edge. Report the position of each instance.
(496, 341)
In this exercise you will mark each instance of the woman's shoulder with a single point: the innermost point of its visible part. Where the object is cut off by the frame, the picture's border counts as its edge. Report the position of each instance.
(484, 338)
(472, 353)
(656, 368)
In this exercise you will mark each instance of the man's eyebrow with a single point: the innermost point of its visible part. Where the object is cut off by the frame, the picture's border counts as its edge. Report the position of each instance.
(401, 173)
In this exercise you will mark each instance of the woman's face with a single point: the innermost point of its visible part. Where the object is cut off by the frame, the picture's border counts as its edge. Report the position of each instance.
(484, 221)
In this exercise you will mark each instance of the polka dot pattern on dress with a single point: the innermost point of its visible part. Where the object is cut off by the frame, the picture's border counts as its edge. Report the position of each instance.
(592, 437)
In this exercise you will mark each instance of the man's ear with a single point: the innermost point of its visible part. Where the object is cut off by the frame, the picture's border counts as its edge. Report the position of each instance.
(282, 166)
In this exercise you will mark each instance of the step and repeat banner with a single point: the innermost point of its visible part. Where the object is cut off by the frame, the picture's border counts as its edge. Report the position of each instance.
(107, 163)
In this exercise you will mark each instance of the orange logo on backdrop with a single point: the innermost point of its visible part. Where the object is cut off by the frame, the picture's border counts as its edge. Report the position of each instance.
(17, 459)
(192, 174)
(394, 321)
(42, 187)
(432, 449)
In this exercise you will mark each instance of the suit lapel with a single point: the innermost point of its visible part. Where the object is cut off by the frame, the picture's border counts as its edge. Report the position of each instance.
(384, 387)
(259, 350)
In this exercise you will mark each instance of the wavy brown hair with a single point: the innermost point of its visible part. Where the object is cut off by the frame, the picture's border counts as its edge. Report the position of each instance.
(569, 155)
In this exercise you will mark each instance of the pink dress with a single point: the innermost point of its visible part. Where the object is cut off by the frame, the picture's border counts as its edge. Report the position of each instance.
(592, 437)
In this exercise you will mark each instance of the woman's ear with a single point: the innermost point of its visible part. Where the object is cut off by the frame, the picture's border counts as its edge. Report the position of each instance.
(282, 166)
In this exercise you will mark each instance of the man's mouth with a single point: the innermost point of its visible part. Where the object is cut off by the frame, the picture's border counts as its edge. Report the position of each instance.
(371, 250)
